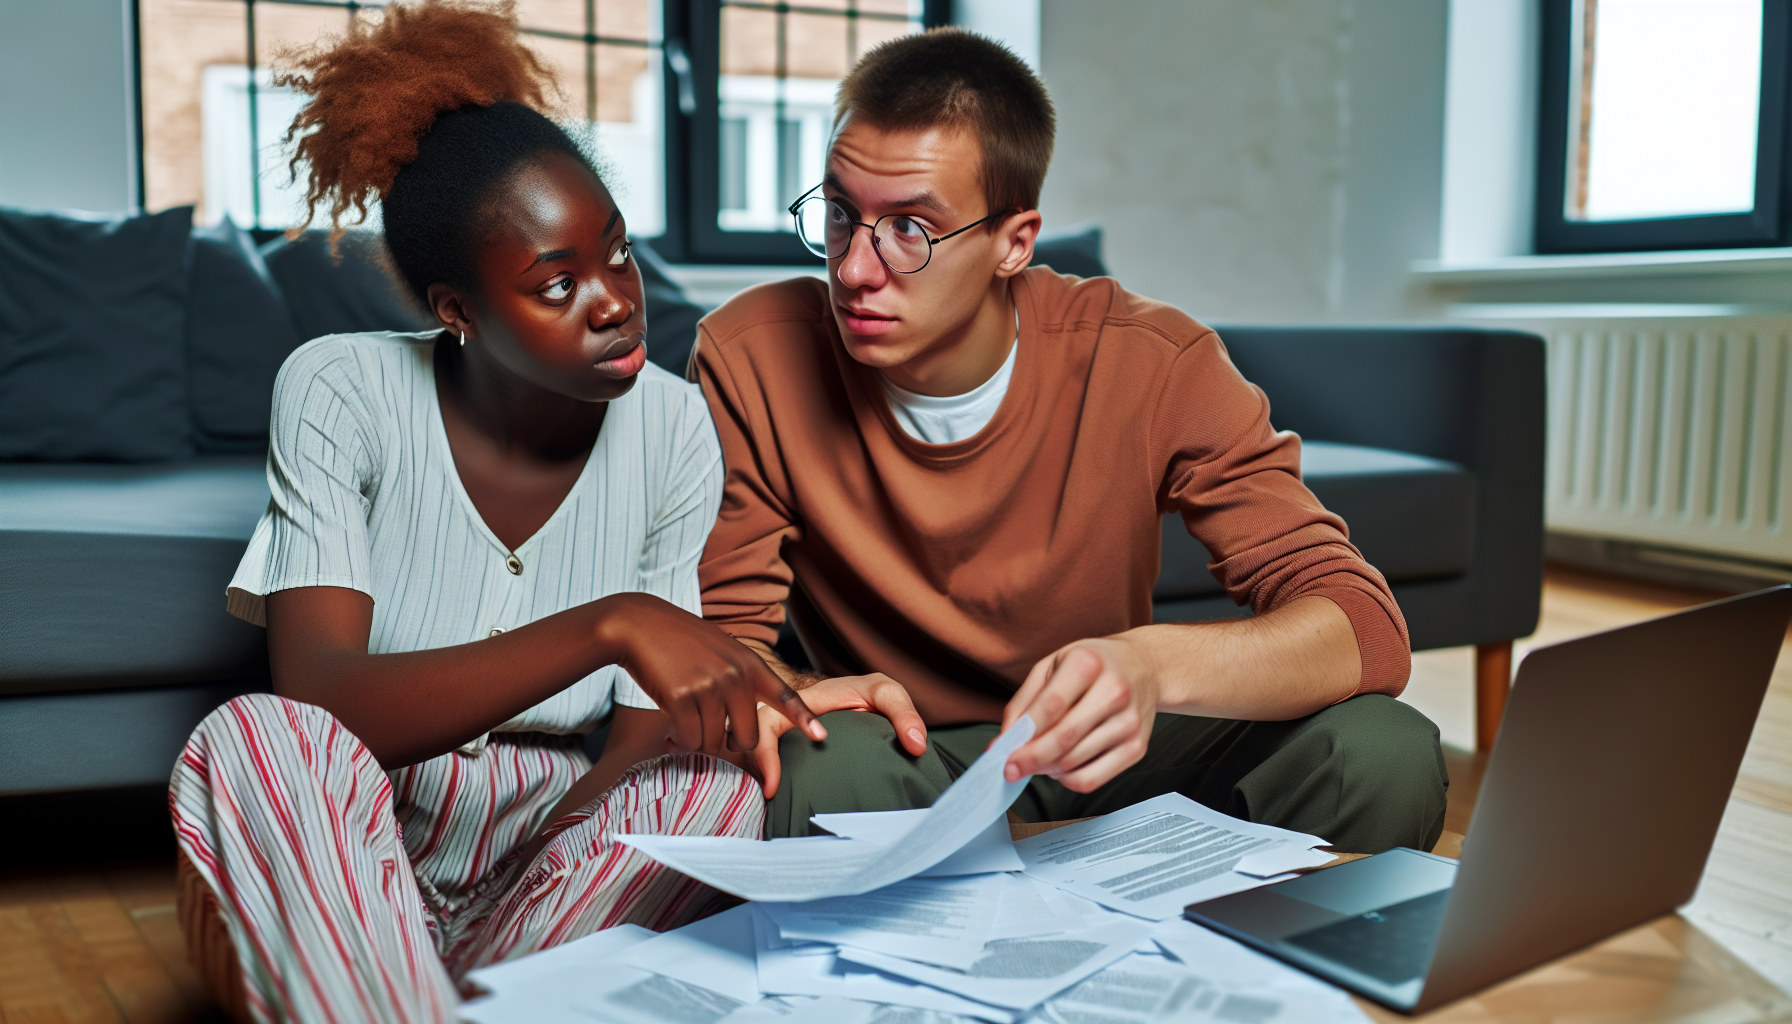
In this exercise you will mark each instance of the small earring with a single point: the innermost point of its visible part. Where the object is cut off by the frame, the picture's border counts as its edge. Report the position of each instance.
(463, 339)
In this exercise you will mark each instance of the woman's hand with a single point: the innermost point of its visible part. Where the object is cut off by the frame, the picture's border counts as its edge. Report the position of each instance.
(711, 687)
(876, 693)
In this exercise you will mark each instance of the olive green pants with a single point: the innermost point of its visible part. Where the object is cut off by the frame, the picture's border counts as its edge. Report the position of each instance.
(1366, 774)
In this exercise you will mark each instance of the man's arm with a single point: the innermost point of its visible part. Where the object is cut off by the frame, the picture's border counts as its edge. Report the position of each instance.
(1099, 697)
(1325, 625)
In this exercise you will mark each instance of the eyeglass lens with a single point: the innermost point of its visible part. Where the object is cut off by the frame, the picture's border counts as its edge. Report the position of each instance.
(826, 230)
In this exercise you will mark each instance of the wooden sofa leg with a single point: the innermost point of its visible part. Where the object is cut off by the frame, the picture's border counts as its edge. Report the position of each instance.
(1493, 678)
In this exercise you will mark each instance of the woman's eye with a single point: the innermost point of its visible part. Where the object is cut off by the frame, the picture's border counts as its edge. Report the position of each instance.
(620, 256)
(558, 290)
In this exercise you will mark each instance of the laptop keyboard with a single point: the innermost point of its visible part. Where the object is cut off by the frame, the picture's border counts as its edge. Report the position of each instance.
(1392, 945)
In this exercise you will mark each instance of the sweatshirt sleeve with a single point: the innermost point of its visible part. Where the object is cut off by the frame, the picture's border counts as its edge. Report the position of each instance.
(743, 575)
(1236, 481)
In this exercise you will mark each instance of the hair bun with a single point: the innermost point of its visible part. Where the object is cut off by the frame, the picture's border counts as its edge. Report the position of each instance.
(376, 92)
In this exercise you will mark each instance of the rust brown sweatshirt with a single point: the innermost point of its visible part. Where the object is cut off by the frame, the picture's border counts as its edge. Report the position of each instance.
(953, 568)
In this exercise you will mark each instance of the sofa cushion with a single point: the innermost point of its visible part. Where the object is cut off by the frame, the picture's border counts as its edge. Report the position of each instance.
(114, 575)
(92, 336)
(1412, 517)
(1076, 251)
(326, 295)
(671, 315)
(238, 334)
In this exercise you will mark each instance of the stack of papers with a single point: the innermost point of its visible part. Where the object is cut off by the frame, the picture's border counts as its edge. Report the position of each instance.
(935, 917)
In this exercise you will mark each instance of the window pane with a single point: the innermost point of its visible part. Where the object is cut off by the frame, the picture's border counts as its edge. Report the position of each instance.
(1669, 95)
(779, 72)
(196, 99)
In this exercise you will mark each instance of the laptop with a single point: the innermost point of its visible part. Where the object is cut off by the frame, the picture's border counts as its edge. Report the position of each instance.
(1598, 809)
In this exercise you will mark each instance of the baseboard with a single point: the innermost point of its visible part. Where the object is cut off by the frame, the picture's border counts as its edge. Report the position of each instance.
(1662, 564)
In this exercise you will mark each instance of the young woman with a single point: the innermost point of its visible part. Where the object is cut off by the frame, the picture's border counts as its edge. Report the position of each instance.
(482, 541)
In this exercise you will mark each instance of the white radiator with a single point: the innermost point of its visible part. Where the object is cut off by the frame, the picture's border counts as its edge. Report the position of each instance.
(1672, 431)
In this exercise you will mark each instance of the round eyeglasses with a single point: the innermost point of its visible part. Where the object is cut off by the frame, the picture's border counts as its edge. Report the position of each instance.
(900, 241)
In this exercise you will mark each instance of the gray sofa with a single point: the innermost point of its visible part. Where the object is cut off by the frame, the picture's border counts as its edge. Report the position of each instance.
(115, 548)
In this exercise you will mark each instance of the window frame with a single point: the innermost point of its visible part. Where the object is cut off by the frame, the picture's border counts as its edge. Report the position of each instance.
(1764, 225)
(692, 32)
(589, 38)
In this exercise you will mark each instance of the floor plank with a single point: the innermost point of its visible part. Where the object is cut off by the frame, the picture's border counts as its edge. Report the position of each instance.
(91, 936)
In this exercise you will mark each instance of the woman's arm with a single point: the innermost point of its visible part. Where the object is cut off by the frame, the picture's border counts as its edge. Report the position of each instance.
(411, 707)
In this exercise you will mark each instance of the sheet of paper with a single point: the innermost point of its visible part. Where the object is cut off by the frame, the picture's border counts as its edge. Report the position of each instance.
(1155, 857)
(816, 867)
(715, 953)
(935, 920)
(803, 1010)
(658, 999)
(1147, 989)
(596, 952)
(783, 972)
(1026, 910)
(1020, 973)
(1281, 859)
(991, 850)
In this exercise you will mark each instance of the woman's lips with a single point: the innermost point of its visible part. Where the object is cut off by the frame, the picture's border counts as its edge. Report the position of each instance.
(627, 364)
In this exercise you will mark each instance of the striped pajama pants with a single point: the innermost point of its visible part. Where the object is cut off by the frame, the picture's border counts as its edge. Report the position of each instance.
(334, 891)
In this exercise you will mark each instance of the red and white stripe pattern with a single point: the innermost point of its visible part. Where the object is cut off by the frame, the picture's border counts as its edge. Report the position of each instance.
(338, 914)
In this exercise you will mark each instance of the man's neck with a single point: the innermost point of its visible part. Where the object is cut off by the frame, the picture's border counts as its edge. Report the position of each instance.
(966, 359)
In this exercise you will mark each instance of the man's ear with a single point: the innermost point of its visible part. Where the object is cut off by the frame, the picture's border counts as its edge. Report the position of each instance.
(448, 308)
(1018, 233)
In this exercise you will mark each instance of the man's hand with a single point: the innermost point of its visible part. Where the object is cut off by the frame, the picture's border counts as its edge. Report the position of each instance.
(876, 693)
(1094, 702)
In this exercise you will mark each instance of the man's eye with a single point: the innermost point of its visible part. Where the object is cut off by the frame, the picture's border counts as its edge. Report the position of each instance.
(620, 256)
(907, 227)
(558, 290)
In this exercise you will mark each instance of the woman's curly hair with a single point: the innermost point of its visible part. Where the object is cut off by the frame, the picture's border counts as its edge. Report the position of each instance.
(424, 112)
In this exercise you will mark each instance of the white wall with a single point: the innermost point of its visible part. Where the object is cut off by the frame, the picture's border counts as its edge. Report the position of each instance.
(1270, 161)
(67, 114)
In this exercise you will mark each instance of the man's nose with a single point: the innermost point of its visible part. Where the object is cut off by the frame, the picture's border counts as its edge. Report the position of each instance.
(861, 267)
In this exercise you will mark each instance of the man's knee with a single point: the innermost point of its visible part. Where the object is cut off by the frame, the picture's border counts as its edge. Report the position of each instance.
(1392, 779)
(1367, 774)
(860, 767)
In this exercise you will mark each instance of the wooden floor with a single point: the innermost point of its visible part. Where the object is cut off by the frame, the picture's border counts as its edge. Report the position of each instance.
(88, 930)
(1745, 900)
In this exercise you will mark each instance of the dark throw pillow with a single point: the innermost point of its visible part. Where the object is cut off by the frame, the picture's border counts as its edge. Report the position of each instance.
(93, 337)
(671, 317)
(1073, 251)
(238, 334)
(329, 296)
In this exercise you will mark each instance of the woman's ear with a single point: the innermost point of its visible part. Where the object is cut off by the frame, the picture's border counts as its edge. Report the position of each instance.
(448, 308)
(1018, 233)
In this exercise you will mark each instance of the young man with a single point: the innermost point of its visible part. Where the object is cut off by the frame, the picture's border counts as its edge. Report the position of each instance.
(951, 468)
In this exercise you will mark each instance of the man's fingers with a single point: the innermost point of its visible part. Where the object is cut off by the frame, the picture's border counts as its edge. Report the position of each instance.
(1105, 736)
(1029, 689)
(891, 700)
(1061, 698)
(764, 759)
(1101, 771)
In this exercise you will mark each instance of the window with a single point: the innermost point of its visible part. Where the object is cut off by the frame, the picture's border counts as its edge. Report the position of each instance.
(707, 175)
(207, 91)
(755, 86)
(1661, 124)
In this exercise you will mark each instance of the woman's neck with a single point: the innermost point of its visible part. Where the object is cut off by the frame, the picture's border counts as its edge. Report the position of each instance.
(512, 414)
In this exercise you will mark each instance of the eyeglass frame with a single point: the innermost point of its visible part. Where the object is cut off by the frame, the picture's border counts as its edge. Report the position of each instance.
(872, 227)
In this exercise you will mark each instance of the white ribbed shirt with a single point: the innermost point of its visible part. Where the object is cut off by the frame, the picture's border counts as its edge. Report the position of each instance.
(366, 496)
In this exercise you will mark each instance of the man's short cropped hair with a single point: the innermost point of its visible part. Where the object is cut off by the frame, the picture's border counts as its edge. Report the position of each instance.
(950, 78)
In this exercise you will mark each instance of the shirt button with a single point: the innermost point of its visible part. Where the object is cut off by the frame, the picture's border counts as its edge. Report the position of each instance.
(514, 564)
(495, 631)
